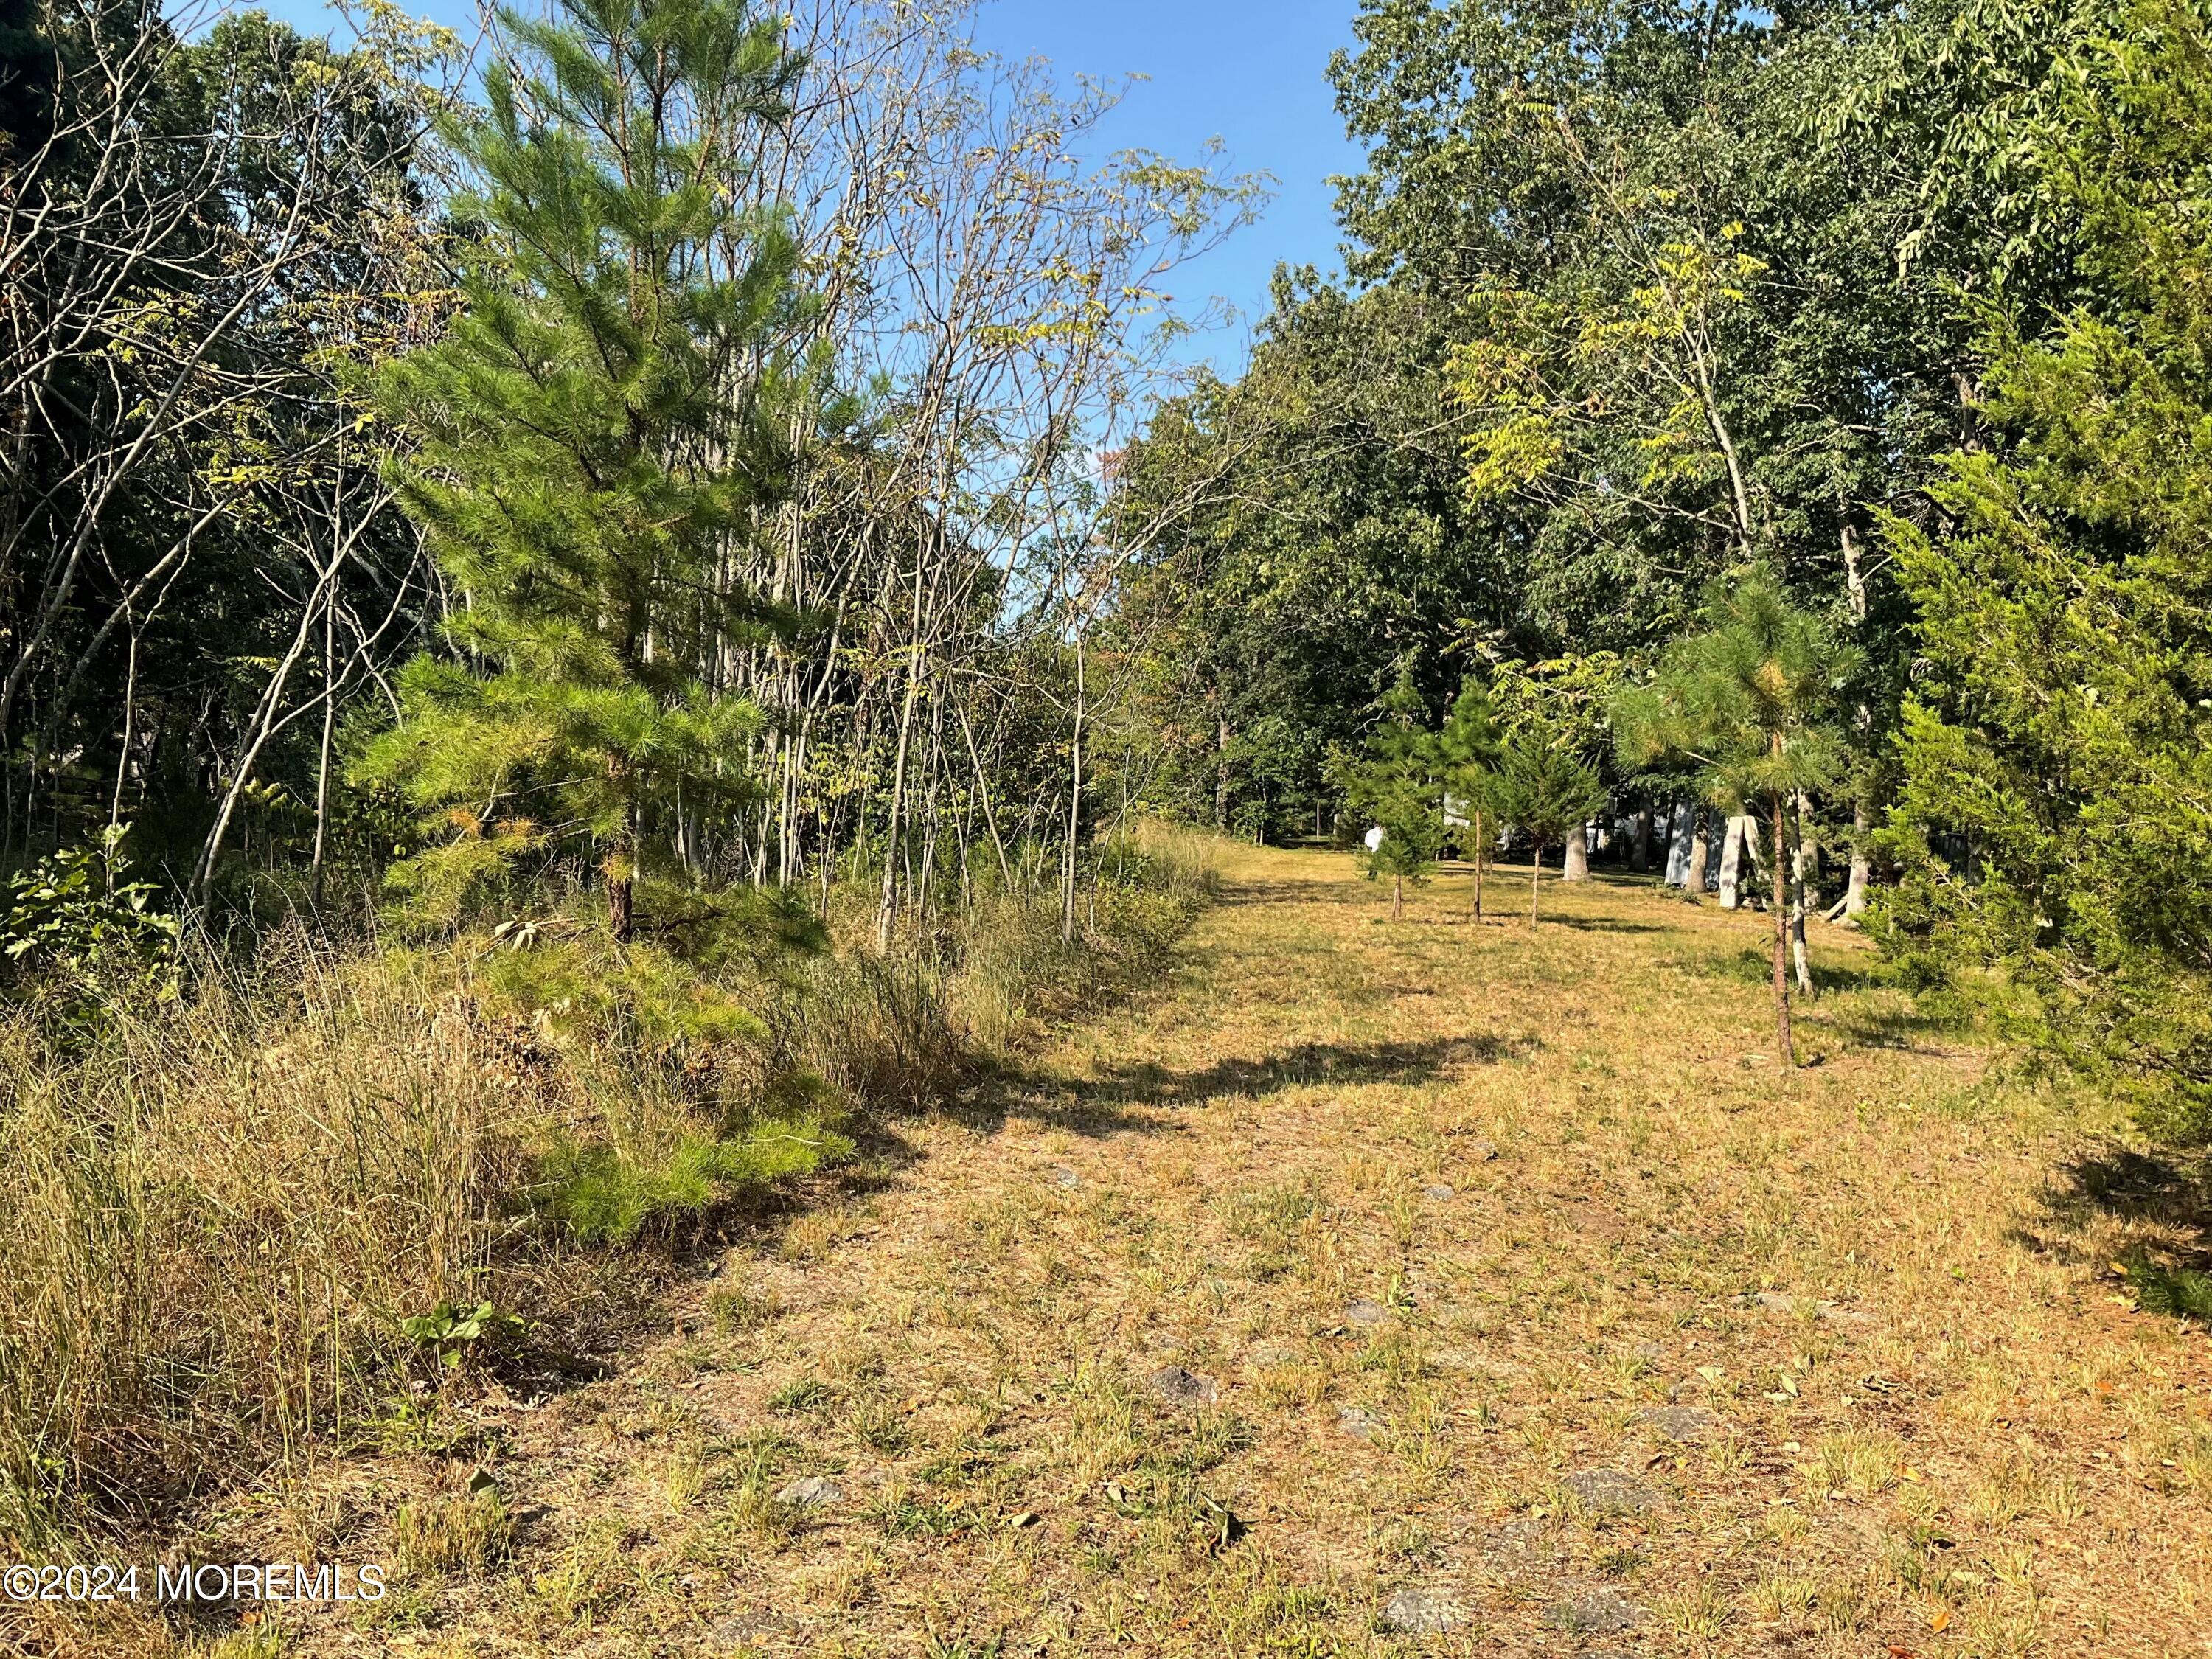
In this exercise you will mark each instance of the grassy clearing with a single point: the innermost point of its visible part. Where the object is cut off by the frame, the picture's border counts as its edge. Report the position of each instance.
(318, 1213)
(1379, 1289)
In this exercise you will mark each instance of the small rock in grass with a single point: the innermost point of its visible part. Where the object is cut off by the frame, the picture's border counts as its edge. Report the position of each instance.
(1601, 1612)
(1422, 1613)
(741, 1629)
(1610, 1491)
(1687, 1424)
(1064, 1176)
(1179, 1387)
(1479, 1148)
(1439, 1192)
(1358, 1420)
(816, 1492)
(1364, 1312)
(1266, 1355)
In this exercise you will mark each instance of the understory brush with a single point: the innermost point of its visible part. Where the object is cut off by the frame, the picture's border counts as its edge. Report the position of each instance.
(268, 1216)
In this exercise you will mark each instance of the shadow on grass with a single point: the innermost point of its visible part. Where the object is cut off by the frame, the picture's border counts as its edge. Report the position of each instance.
(1112, 1102)
(1350, 1063)
(2120, 1181)
(1754, 965)
(1603, 925)
(2167, 1198)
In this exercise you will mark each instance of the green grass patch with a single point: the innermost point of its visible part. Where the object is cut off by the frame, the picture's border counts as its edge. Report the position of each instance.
(605, 1194)
(2177, 1292)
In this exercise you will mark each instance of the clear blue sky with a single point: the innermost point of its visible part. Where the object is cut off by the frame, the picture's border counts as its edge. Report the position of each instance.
(1250, 72)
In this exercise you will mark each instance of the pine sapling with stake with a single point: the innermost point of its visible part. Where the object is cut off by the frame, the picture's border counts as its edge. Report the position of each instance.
(1394, 784)
(1467, 755)
(1749, 700)
(1546, 791)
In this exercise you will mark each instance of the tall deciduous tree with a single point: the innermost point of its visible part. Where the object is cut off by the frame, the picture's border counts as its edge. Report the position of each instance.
(590, 440)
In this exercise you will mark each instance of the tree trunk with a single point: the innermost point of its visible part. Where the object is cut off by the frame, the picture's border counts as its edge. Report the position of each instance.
(1535, 879)
(1854, 895)
(1221, 773)
(1680, 825)
(1732, 865)
(1074, 803)
(622, 892)
(1397, 898)
(1781, 947)
(1480, 848)
(1575, 865)
(1701, 852)
(1801, 862)
(1639, 851)
(323, 754)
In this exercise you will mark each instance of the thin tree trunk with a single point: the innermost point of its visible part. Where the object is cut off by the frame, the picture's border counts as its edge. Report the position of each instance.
(1074, 803)
(323, 756)
(1781, 947)
(1639, 851)
(1480, 848)
(1221, 775)
(1801, 859)
(1535, 878)
(1854, 895)
(1397, 896)
(122, 762)
(1701, 853)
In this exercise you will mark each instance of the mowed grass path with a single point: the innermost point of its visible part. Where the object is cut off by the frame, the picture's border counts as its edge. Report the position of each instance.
(1374, 1288)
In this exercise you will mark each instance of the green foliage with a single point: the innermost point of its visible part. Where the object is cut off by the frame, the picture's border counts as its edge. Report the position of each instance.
(587, 440)
(1543, 787)
(2057, 851)
(1394, 783)
(1747, 701)
(1317, 543)
(583, 993)
(2180, 1292)
(450, 1333)
(605, 1194)
(1467, 750)
(74, 913)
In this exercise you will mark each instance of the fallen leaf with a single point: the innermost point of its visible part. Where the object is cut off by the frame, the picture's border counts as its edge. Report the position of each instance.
(1026, 1518)
(1940, 1620)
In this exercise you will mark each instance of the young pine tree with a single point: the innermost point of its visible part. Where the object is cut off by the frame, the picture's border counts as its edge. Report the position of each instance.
(1749, 700)
(587, 444)
(2055, 825)
(1547, 791)
(1467, 750)
(1394, 785)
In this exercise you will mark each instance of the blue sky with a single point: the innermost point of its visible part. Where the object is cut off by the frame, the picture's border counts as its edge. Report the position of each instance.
(1248, 72)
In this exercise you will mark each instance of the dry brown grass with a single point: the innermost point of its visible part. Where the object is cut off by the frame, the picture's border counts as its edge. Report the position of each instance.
(1927, 1426)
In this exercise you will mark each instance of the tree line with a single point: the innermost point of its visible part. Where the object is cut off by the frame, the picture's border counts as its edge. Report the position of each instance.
(654, 452)
(1793, 412)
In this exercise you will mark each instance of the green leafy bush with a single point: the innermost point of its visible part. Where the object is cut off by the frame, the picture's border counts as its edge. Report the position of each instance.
(72, 912)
